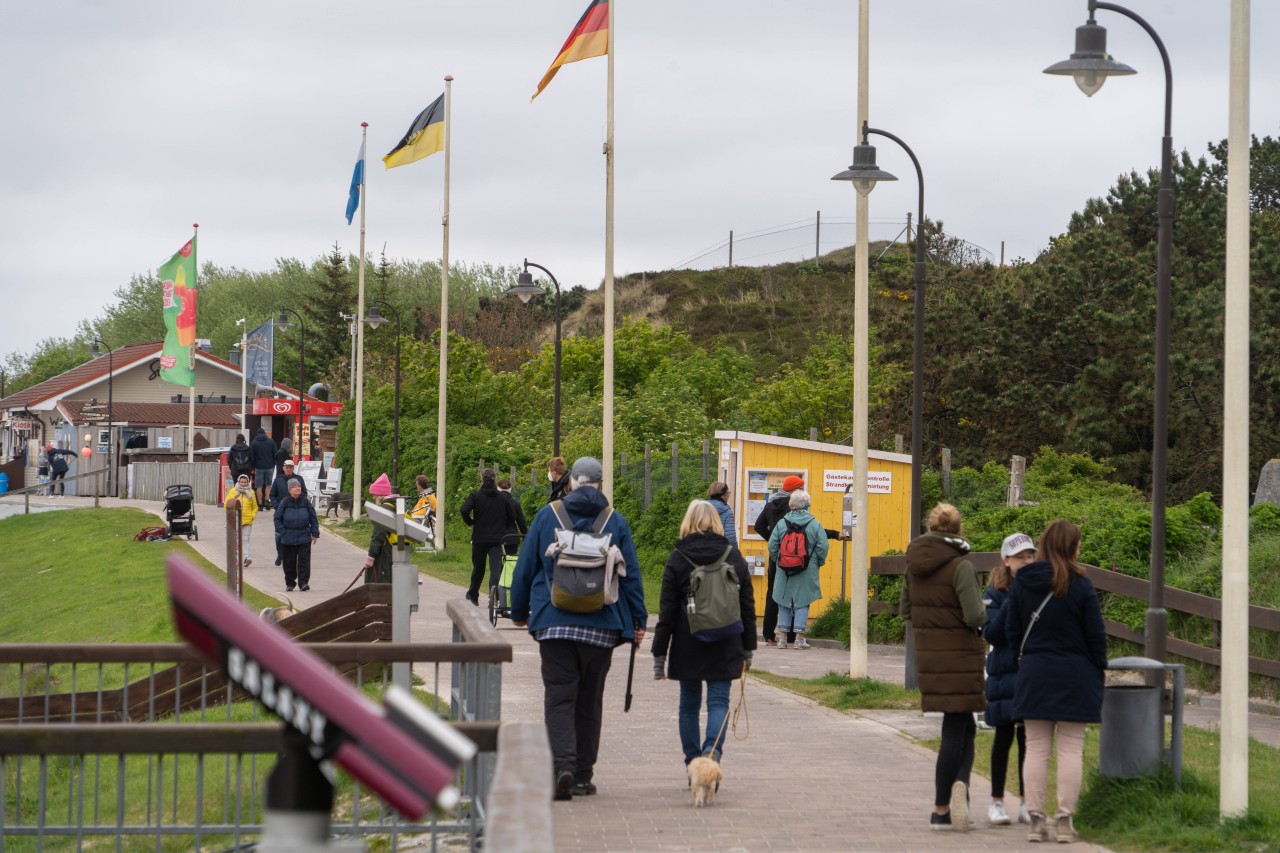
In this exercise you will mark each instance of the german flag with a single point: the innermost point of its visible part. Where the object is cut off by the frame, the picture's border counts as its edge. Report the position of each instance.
(425, 137)
(590, 37)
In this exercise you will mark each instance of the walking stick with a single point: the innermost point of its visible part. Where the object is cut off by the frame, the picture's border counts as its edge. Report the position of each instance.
(631, 671)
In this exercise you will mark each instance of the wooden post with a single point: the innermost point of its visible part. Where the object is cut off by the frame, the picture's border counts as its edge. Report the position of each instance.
(813, 433)
(623, 463)
(706, 459)
(730, 250)
(946, 471)
(1017, 476)
(897, 444)
(648, 475)
(675, 467)
(513, 476)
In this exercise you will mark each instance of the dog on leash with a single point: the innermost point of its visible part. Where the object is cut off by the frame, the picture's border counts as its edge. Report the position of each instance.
(704, 779)
(273, 615)
(336, 501)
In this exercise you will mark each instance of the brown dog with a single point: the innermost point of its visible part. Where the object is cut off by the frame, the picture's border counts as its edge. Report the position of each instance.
(704, 778)
(336, 501)
(276, 614)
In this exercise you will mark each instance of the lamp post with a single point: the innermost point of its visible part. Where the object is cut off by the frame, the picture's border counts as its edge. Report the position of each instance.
(864, 173)
(283, 324)
(375, 319)
(1091, 65)
(526, 290)
(96, 352)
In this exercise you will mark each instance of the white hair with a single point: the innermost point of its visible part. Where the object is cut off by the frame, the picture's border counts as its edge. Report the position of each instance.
(799, 499)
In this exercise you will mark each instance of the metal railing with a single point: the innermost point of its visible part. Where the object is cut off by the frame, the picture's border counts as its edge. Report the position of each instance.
(146, 745)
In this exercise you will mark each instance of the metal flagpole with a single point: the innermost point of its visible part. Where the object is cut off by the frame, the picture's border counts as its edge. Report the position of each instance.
(244, 367)
(607, 451)
(443, 405)
(858, 559)
(357, 484)
(191, 404)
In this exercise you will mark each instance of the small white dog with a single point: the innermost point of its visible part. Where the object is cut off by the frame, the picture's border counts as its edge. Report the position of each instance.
(275, 614)
(704, 779)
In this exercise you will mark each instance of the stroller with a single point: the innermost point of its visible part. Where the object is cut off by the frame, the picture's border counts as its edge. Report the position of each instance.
(180, 512)
(500, 592)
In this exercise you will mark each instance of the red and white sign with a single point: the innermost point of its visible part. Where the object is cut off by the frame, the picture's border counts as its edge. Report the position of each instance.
(23, 425)
(269, 406)
(878, 482)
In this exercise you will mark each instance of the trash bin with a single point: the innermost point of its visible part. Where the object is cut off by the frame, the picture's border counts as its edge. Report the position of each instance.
(1132, 732)
(4, 482)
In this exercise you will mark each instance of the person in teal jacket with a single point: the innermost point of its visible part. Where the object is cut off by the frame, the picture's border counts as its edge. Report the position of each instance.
(576, 648)
(794, 593)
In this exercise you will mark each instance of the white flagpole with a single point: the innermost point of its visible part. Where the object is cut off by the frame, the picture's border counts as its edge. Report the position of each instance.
(443, 405)
(244, 375)
(357, 483)
(607, 450)
(861, 371)
(191, 403)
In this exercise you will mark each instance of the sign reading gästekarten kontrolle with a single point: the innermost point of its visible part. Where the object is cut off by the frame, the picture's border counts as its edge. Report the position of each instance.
(878, 482)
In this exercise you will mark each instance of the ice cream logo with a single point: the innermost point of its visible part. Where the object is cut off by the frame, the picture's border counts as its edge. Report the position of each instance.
(167, 288)
(185, 251)
(167, 361)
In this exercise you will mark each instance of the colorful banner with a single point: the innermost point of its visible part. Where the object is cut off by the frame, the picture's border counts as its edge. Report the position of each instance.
(588, 38)
(259, 355)
(178, 285)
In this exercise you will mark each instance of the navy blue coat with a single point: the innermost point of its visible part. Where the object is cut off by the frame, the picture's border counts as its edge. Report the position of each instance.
(263, 450)
(1061, 674)
(296, 522)
(1002, 661)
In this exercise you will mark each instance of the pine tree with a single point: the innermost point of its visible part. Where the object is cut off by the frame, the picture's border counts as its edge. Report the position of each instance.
(333, 293)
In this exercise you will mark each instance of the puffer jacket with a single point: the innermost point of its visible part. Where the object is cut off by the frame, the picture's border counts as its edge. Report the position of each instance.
(1002, 661)
(248, 504)
(296, 521)
(726, 520)
(942, 600)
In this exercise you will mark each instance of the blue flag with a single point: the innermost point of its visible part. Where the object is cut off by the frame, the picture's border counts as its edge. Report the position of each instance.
(357, 181)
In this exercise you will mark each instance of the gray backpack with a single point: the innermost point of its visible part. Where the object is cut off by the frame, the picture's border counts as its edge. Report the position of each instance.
(711, 600)
(585, 564)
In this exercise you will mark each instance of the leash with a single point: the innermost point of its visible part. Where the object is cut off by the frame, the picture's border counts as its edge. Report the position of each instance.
(741, 707)
(359, 574)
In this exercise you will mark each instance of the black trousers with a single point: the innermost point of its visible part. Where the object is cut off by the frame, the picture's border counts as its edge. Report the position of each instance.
(955, 755)
(573, 676)
(771, 609)
(482, 553)
(56, 477)
(1000, 746)
(297, 564)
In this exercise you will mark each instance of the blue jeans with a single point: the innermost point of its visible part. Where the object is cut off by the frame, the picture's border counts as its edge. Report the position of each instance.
(691, 709)
(792, 619)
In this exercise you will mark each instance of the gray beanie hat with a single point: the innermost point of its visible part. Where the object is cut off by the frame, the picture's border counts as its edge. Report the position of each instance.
(587, 470)
(294, 481)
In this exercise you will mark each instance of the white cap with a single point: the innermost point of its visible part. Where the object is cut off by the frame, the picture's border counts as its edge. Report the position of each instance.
(1016, 544)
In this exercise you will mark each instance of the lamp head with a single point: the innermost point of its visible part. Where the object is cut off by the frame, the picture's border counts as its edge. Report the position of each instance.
(525, 288)
(95, 351)
(375, 318)
(864, 173)
(1090, 65)
(282, 323)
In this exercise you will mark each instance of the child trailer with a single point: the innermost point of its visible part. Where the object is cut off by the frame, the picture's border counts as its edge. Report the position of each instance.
(180, 512)
(500, 592)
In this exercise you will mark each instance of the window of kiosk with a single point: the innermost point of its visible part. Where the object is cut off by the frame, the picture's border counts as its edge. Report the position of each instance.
(761, 484)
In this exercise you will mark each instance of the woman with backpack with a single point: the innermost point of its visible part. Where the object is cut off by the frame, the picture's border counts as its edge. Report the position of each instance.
(798, 547)
(706, 628)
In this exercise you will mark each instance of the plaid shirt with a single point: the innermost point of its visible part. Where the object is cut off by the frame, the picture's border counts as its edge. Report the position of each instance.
(604, 637)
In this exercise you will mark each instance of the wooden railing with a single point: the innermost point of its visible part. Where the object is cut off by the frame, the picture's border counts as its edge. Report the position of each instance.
(1105, 580)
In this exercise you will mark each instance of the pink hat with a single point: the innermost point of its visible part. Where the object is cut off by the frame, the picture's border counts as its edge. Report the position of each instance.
(381, 486)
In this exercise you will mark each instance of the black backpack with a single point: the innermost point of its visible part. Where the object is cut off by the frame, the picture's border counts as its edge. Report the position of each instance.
(239, 459)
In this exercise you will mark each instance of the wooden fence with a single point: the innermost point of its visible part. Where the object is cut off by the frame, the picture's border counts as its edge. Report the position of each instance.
(1105, 580)
(148, 480)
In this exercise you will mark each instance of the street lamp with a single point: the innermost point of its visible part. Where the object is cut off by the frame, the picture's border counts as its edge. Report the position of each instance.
(1090, 65)
(96, 352)
(864, 173)
(526, 290)
(375, 319)
(283, 324)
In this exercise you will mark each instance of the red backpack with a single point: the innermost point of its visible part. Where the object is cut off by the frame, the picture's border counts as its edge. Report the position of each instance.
(793, 551)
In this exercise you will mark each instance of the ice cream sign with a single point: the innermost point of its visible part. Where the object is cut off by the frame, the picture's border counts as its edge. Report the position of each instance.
(878, 482)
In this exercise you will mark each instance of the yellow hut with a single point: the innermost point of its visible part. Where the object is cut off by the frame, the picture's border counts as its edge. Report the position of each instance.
(755, 465)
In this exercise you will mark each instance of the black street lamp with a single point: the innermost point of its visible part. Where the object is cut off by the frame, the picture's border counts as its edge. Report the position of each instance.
(96, 352)
(864, 174)
(375, 319)
(526, 290)
(283, 324)
(1091, 65)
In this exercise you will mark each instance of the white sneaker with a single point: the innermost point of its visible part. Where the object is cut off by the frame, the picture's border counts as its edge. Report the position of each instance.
(997, 816)
(1023, 815)
(801, 643)
(959, 807)
(782, 644)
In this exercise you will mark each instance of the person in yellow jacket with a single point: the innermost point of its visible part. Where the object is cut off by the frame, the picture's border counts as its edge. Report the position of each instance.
(243, 491)
(424, 511)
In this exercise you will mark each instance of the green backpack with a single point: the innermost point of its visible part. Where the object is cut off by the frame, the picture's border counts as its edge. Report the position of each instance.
(711, 600)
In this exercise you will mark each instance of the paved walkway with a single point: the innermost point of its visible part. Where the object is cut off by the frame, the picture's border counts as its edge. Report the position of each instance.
(803, 777)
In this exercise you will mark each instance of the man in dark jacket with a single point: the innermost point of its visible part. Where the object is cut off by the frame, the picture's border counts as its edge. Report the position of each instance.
(558, 476)
(777, 507)
(576, 648)
(240, 460)
(489, 515)
(58, 466)
(280, 491)
(263, 450)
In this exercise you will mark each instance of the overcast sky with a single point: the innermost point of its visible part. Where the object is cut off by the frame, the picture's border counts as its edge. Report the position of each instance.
(125, 122)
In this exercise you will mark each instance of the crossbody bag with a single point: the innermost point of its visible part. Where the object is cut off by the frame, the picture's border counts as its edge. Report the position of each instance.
(1034, 618)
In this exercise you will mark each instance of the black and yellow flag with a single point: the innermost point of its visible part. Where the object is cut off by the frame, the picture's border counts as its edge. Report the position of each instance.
(425, 137)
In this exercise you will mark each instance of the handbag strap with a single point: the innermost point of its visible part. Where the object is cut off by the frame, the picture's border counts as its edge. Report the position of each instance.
(1034, 618)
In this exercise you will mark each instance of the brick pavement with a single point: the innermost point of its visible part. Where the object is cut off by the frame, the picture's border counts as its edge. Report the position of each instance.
(804, 778)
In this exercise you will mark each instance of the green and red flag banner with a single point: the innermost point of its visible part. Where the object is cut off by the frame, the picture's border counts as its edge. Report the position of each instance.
(178, 285)
(588, 38)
